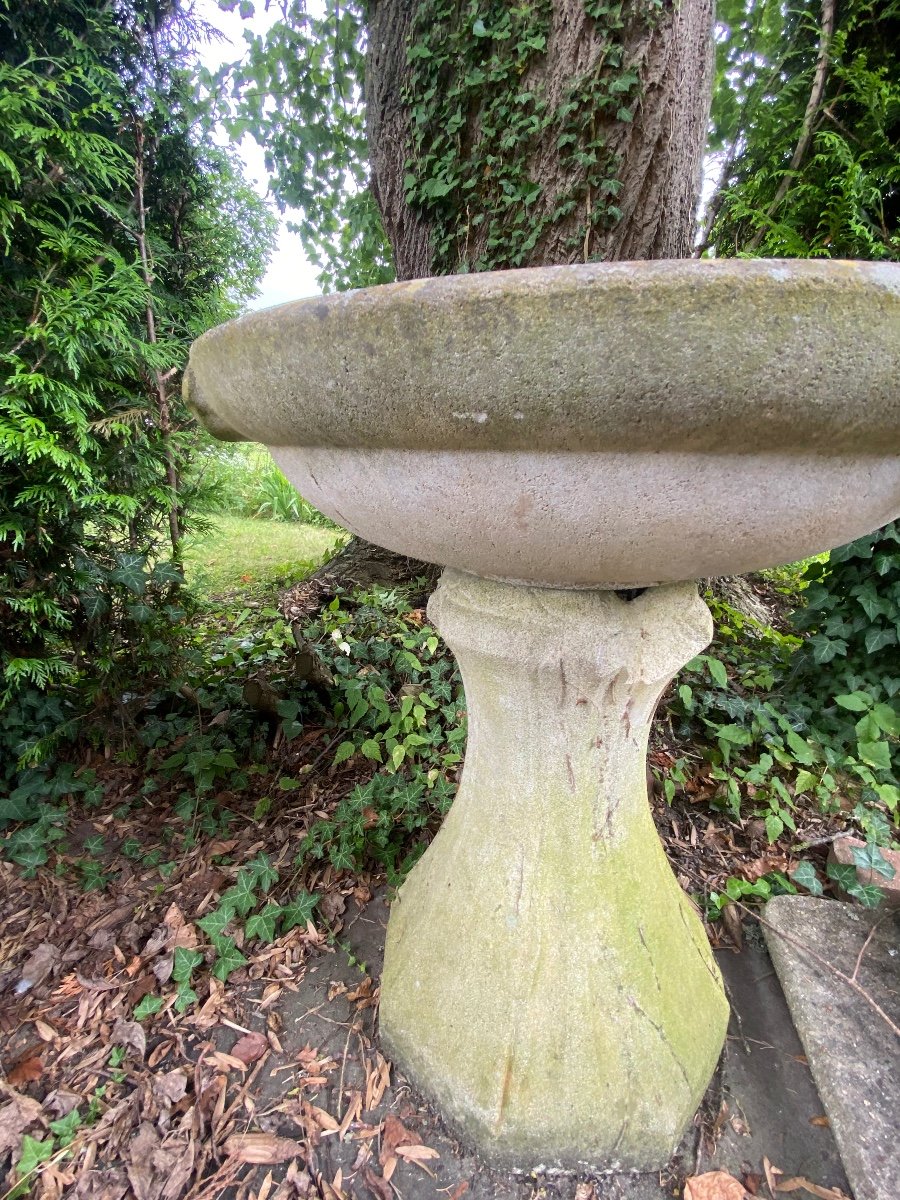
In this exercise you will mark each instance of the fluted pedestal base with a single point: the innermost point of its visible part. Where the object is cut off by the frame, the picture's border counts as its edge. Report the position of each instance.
(546, 981)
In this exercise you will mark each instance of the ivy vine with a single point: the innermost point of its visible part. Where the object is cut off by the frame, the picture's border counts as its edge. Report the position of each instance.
(477, 92)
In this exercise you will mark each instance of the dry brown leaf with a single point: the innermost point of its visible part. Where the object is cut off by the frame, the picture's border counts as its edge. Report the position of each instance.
(60, 1102)
(714, 1185)
(417, 1154)
(26, 1070)
(250, 1047)
(822, 1121)
(170, 1087)
(396, 1134)
(17, 1115)
(732, 921)
(771, 1172)
(44, 1031)
(264, 1148)
(322, 1119)
(101, 1185)
(38, 966)
(378, 1186)
(130, 1035)
(152, 1167)
(797, 1183)
(363, 992)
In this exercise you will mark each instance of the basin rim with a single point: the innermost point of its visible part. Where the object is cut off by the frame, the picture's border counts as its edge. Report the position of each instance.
(686, 355)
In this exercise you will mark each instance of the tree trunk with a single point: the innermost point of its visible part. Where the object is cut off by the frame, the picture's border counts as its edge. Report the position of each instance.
(615, 107)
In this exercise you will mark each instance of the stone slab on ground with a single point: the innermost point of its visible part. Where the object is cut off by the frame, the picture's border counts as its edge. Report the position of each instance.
(853, 1053)
(768, 1102)
(760, 1105)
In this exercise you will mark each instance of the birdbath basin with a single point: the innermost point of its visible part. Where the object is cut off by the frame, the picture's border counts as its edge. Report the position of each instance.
(573, 444)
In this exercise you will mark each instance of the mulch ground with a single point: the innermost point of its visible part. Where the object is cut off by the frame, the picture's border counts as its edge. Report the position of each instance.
(247, 1093)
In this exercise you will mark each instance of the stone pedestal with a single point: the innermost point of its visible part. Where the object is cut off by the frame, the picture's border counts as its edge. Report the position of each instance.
(546, 981)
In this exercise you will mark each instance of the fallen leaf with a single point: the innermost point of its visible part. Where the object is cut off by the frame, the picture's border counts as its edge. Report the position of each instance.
(150, 1166)
(44, 1031)
(61, 1102)
(26, 1070)
(732, 921)
(324, 1120)
(363, 992)
(17, 1115)
(395, 1134)
(417, 1154)
(130, 1035)
(264, 1148)
(714, 1185)
(823, 1121)
(250, 1047)
(332, 905)
(379, 1187)
(463, 1186)
(37, 967)
(101, 1185)
(797, 1183)
(170, 1087)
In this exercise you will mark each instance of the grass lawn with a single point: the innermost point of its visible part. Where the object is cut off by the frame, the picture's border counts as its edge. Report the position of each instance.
(243, 554)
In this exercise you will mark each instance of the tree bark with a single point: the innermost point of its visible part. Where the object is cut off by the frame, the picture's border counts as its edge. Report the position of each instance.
(658, 151)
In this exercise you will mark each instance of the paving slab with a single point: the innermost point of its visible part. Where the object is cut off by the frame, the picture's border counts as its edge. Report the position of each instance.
(762, 1103)
(853, 1052)
(768, 1104)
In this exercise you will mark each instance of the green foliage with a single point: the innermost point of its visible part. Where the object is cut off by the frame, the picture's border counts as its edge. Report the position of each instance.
(843, 198)
(480, 110)
(480, 177)
(102, 163)
(314, 137)
(769, 744)
(848, 670)
(240, 479)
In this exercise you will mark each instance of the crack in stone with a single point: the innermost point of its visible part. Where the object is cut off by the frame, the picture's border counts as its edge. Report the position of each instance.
(663, 1036)
(650, 956)
(571, 773)
(505, 1087)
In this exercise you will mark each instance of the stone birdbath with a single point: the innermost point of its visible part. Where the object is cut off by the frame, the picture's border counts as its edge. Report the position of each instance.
(572, 444)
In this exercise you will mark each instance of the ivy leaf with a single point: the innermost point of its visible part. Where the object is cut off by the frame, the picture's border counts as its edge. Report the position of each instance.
(870, 858)
(228, 957)
(242, 896)
(147, 1007)
(185, 996)
(877, 639)
(215, 922)
(183, 963)
(843, 874)
(806, 876)
(262, 924)
(265, 873)
(130, 572)
(34, 1152)
(299, 911)
(478, 29)
(854, 701)
(66, 1127)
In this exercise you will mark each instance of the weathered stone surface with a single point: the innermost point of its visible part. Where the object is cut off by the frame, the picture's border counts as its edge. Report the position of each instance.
(605, 425)
(853, 1053)
(546, 980)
